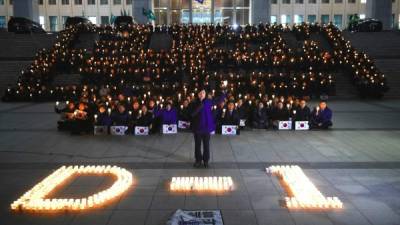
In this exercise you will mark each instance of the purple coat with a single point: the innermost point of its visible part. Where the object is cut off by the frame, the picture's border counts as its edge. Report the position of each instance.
(202, 117)
(168, 117)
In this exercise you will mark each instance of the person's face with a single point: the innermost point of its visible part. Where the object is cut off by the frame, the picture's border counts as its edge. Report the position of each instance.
(322, 105)
(302, 104)
(144, 109)
(168, 107)
(231, 106)
(121, 108)
(260, 105)
(71, 105)
(102, 109)
(280, 105)
(151, 104)
(240, 102)
(81, 107)
(185, 103)
(136, 105)
(202, 94)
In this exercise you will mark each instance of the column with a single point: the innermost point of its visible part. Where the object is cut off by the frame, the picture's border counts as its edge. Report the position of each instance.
(212, 11)
(190, 11)
(137, 10)
(27, 8)
(260, 11)
(381, 10)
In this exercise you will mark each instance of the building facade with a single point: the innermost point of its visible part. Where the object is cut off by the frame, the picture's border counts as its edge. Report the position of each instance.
(53, 13)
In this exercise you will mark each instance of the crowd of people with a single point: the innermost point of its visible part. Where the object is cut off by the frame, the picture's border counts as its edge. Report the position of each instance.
(108, 107)
(251, 73)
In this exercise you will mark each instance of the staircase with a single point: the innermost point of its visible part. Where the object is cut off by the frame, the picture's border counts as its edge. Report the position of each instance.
(9, 73)
(344, 87)
(391, 69)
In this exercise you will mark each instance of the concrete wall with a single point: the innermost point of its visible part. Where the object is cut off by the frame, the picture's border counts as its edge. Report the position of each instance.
(260, 11)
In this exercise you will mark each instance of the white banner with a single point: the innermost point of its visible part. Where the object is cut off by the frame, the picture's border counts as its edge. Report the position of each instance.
(141, 130)
(229, 129)
(170, 129)
(199, 217)
(118, 130)
(302, 125)
(285, 125)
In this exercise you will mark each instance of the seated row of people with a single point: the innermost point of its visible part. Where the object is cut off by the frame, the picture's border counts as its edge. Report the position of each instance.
(241, 113)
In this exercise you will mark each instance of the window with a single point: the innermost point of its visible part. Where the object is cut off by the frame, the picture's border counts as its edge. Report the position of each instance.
(2, 21)
(298, 18)
(338, 20)
(312, 1)
(93, 19)
(104, 20)
(352, 1)
(285, 1)
(64, 20)
(129, 2)
(274, 19)
(41, 21)
(78, 2)
(91, 2)
(65, 2)
(274, 2)
(299, 1)
(11, 2)
(325, 1)
(363, 1)
(324, 19)
(52, 2)
(242, 16)
(338, 1)
(285, 19)
(362, 16)
(117, 2)
(40, 2)
(53, 23)
(103, 2)
(1, 2)
(312, 18)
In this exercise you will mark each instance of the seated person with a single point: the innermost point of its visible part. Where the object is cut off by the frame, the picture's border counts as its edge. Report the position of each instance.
(321, 117)
(301, 112)
(279, 113)
(120, 117)
(230, 116)
(81, 122)
(146, 118)
(168, 115)
(134, 114)
(103, 118)
(260, 117)
(184, 112)
(242, 110)
(67, 115)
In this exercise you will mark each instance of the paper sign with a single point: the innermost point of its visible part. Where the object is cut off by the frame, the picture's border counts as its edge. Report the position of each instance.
(170, 129)
(118, 130)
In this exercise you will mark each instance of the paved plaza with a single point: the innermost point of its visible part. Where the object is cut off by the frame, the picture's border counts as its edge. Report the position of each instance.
(358, 161)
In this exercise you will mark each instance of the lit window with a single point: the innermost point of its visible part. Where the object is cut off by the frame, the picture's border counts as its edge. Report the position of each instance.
(274, 19)
(363, 1)
(362, 16)
(93, 19)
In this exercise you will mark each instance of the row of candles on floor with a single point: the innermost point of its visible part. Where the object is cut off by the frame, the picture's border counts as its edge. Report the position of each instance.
(305, 194)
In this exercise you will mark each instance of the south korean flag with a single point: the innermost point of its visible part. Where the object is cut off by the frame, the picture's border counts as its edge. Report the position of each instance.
(183, 124)
(141, 130)
(170, 129)
(229, 130)
(285, 125)
(302, 125)
(118, 130)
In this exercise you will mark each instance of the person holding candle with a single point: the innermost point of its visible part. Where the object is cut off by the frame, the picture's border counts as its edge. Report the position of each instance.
(321, 117)
(279, 113)
(301, 112)
(202, 126)
(260, 116)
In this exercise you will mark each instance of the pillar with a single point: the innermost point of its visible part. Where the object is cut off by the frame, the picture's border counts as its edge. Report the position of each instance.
(26, 8)
(137, 10)
(381, 10)
(260, 11)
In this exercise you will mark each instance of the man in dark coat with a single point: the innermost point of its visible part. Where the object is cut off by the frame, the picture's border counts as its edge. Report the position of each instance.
(302, 112)
(260, 117)
(202, 125)
(321, 117)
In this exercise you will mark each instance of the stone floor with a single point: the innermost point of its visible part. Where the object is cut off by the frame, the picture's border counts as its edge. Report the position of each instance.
(358, 161)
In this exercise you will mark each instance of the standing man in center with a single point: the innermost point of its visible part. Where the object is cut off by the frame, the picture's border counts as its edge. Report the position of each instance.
(202, 126)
